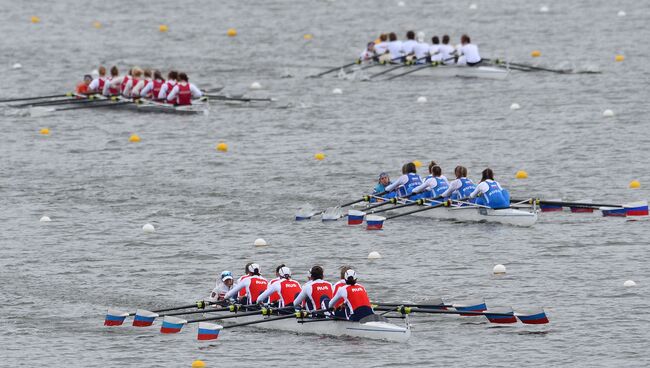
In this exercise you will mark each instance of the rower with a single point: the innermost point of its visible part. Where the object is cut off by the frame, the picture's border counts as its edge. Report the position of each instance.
(316, 293)
(242, 293)
(287, 288)
(152, 89)
(381, 49)
(82, 88)
(254, 285)
(368, 54)
(408, 46)
(97, 85)
(405, 183)
(447, 51)
(109, 89)
(434, 185)
(394, 48)
(339, 310)
(420, 49)
(136, 91)
(128, 82)
(434, 50)
(223, 286)
(468, 52)
(275, 297)
(354, 296)
(490, 192)
(167, 87)
(183, 92)
(461, 187)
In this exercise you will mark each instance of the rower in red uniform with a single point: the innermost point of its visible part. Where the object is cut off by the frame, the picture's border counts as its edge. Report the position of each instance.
(286, 288)
(166, 88)
(109, 89)
(339, 309)
(183, 92)
(275, 297)
(316, 293)
(242, 293)
(126, 87)
(354, 297)
(254, 285)
(152, 89)
(97, 85)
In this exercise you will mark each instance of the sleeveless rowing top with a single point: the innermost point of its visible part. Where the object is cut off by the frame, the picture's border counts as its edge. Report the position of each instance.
(184, 96)
(320, 290)
(357, 297)
(495, 197)
(289, 289)
(414, 180)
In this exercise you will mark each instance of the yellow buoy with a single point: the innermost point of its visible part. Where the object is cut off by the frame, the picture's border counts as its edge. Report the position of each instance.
(44, 131)
(521, 174)
(163, 28)
(36, 19)
(198, 364)
(619, 58)
(97, 24)
(319, 156)
(134, 138)
(231, 32)
(535, 53)
(634, 184)
(222, 147)
(417, 163)
(308, 36)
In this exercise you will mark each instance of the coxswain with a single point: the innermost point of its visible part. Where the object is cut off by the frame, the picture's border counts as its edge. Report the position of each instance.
(82, 88)
(461, 187)
(435, 184)
(368, 54)
(223, 286)
(172, 79)
(136, 91)
(384, 181)
(109, 89)
(354, 296)
(394, 48)
(97, 85)
(490, 193)
(468, 53)
(183, 91)
(381, 49)
(405, 183)
(287, 288)
(316, 293)
(254, 285)
(152, 89)
(408, 46)
(420, 49)
(447, 51)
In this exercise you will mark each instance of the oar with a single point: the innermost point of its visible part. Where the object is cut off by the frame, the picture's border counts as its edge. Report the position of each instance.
(532, 67)
(69, 94)
(97, 105)
(494, 315)
(426, 208)
(393, 68)
(79, 100)
(432, 65)
(116, 317)
(564, 204)
(244, 99)
(419, 202)
(334, 69)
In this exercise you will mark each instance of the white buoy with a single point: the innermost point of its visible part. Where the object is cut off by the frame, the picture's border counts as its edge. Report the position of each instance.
(499, 269)
(515, 106)
(473, 6)
(17, 66)
(45, 219)
(337, 91)
(401, 3)
(608, 113)
(621, 13)
(543, 9)
(629, 283)
(374, 255)
(422, 99)
(256, 85)
(148, 228)
(260, 242)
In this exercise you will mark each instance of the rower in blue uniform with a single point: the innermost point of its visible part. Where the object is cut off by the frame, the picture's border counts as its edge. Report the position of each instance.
(405, 184)
(461, 187)
(434, 185)
(490, 193)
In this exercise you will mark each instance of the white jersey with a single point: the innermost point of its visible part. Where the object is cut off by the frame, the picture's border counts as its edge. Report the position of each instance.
(196, 93)
(381, 48)
(366, 55)
(469, 54)
(446, 53)
(429, 184)
(407, 46)
(219, 291)
(421, 49)
(306, 294)
(163, 89)
(395, 49)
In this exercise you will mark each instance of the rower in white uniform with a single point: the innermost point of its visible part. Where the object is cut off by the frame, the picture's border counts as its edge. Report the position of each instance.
(405, 184)
(434, 185)
(434, 50)
(447, 52)
(468, 53)
(461, 187)
(97, 84)
(395, 48)
(421, 49)
(408, 46)
(223, 286)
(381, 48)
(490, 193)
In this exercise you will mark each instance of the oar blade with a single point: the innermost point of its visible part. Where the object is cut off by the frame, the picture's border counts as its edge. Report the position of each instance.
(374, 222)
(551, 207)
(501, 315)
(172, 325)
(636, 209)
(471, 306)
(535, 316)
(613, 211)
(433, 303)
(115, 317)
(355, 217)
(305, 212)
(144, 318)
(331, 214)
(208, 331)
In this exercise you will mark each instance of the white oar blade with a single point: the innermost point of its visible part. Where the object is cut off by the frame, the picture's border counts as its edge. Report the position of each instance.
(331, 214)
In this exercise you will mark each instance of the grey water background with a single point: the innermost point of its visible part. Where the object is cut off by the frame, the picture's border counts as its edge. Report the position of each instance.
(58, 278)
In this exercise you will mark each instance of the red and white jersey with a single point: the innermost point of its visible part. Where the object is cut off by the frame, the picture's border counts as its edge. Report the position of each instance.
(182, 93)
(112, 86)
(165, 89)
(312, 294)
(337, 286)
(136, 91)
(274, 297)
(126, 84)
(97, 85)
(253, 286)
(219, 291)
(287, 289)
(354, 296)
(242, 292)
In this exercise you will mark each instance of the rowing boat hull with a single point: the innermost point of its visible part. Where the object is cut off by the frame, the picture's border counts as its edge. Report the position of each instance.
(337, 328)
(443, 71)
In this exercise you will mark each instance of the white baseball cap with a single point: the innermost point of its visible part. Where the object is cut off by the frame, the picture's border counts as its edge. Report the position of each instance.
(253, 267)
(350, 273)
(284, 271)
